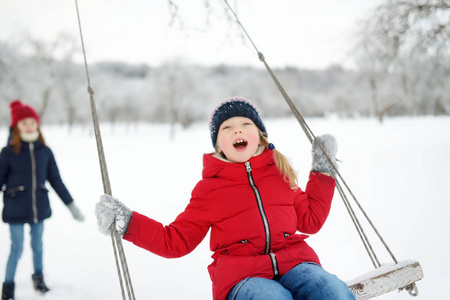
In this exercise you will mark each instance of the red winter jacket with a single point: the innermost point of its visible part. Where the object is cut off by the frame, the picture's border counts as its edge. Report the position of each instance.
(253, 216)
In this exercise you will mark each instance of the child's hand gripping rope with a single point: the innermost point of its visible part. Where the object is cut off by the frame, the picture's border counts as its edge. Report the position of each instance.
(319, 161)
(108, 210)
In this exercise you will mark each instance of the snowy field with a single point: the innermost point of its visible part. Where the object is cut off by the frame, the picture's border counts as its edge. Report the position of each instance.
(398, 170)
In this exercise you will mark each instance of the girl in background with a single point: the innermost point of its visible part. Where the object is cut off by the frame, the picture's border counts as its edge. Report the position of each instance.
(26, 163)
(250, 200)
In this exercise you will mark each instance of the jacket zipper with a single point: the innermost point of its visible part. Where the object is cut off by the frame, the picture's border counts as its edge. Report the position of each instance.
(33, 186)
(267, 250)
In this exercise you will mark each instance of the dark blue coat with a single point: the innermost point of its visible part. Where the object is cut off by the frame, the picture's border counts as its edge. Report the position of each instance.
(22, 179)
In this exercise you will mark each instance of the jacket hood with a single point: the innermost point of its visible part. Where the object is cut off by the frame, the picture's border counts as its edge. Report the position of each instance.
(216, 167)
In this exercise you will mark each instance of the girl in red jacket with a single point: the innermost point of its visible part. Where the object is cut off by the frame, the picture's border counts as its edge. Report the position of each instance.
(250, 200)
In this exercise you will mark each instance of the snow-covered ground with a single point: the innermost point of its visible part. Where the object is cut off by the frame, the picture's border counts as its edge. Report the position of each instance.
(398, 170)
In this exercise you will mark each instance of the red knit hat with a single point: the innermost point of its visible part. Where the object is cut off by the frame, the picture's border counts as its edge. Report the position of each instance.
(21, 111)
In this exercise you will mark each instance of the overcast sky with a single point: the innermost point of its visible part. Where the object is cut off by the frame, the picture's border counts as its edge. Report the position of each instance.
(306, 34)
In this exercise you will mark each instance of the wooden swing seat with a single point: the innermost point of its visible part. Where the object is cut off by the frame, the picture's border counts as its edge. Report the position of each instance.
(387, 278)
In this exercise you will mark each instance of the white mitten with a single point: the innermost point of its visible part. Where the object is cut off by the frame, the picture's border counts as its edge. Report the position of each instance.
(76, 212)
(319, 161)
(109, 210)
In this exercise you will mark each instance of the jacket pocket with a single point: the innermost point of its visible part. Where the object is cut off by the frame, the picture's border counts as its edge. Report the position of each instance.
(294, 238)
(44, 188)
(224, 255)
(242, 248)
(15, 190)
(226, 268)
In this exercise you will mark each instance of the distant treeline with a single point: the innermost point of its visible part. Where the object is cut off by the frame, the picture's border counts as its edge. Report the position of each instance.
(182, 93)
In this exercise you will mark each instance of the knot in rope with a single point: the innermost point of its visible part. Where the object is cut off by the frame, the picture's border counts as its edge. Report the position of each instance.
(261, 56)
(412, 289)
(90, 90)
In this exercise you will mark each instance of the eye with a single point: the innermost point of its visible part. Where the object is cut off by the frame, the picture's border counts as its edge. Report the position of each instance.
(226, 127)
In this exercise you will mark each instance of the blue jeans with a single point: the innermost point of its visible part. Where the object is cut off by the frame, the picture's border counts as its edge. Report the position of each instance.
(306, 281)
(16, 231)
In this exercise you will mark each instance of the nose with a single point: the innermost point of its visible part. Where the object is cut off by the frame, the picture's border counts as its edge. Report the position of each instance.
(237, 131)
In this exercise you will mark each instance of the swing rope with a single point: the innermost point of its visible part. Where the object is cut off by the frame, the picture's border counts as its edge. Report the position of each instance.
(311, 138)
(119, 253)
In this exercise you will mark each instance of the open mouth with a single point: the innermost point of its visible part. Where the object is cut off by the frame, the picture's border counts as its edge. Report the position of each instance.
(240, 144)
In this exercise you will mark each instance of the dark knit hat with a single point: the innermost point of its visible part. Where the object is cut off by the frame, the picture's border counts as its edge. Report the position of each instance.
(234, 107)
(21, 111)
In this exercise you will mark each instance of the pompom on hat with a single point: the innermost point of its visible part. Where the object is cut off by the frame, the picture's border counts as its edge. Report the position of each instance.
(20, 111)
(234, 107)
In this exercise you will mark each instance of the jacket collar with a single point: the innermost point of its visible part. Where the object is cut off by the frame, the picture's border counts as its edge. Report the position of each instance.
(36, 144)
(219, 167)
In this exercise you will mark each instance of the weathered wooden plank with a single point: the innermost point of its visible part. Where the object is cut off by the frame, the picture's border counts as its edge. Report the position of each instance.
(385, 279)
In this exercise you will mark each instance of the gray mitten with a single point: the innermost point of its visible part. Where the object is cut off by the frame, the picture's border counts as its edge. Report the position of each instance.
(108, 210)
(76, 212)
(319, 161)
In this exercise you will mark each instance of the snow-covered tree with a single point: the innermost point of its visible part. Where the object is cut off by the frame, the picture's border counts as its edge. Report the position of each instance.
(403, 49)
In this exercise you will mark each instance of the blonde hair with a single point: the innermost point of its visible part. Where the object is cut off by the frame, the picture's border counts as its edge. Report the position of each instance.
(283, 164)
(16, 141)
